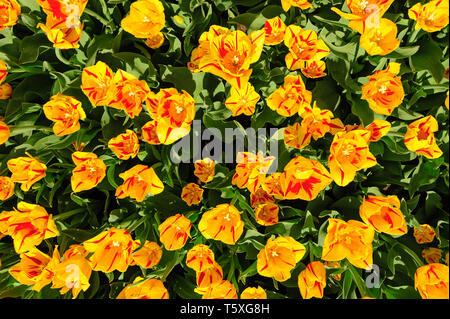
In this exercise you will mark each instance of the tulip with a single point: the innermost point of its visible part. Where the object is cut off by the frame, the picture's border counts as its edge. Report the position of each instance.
(253, 293)
(222, 290)
(380, 39)
(222, 223)
(125, 145)
(260, 197)
(112, 250)
(139, 181)
(302, 4)
(144, 289)
(425, 234)
(65, 111)
(431, 17)
(312, 280)
(6, 187)
(9, 14)
(4, 132)
(419, 137)
(243, 100)
(251, 170)
(209, 276)
(146, 256)
(205, 169)
(266, 214)
(5, 91)
(192, 194)
(275, 29)
(98, 83)
(88, 173)
(432, 255)
(174, 231)
(432, 281)
(146, 18)
(26, 171)
(200, 257)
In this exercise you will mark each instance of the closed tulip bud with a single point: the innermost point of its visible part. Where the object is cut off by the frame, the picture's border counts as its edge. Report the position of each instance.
(111, 250)
(155, 41)
(222, 223)
(174, 232)
(144, 289)
(209, 276)
(253, 293)
(205, 170)
(89, 171)
(425, 234)
(279, 257)
(266, 214)
(432, 281)
(26, 171)
(4, 132)
(5, 91)
(6, 187)
(432, 255)
(260, 197)
(125, 145)
(313, 69)
(139, 182)
(312, 280)
(192, 194)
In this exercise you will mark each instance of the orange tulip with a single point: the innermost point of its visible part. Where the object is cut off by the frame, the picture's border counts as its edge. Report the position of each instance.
(425, 234)
(266, 214)
(9, 14)
(200, 257)
(334, 264)
(378, 129)
(5, 91)
(228, 54)
(73, 272)
(432, 281)
(65, 111)
(98, 83)
(253, 293)
(146, 256)
(125, 145)
(4, 132)
(243, 100)
(112, 250)
(3, 71)
(291, 98)
(384, 91)
(29, 225)
(63, 9)
(26, 171)
(251, 170)
(35, 268)
(205, 170)
(302, 4)
(313, 69)
(222, 290)
(260, 197)
(222, 223)
(275, 30)
(209, 276)
(349, 153)
(432, 255)
(192, 194)
(312, 280)
(139, 181)
(155, 41)
(380, 39)
(146, 18)
(419, 137)
(351, 240)
(144, 289)
(315, 124)
(88, 173)
(6, 187)
(130, 93)
(62, 34)
(279, 257)
(431, 17)
(384, 214)
(364, 13)
(174, 231)
(303, 45)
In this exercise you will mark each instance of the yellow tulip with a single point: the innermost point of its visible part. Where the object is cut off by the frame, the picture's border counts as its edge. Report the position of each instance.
(139, 181)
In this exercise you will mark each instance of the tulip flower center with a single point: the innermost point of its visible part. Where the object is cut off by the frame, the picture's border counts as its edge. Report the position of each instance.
(227, 217)
(422, 135)
(363, 5)
(382, 89)
(116, 243)
(274, 253)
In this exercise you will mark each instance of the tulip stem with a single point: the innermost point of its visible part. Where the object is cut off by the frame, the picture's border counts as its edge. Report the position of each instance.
(170, 267)
(358, 281)
(31, 127)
